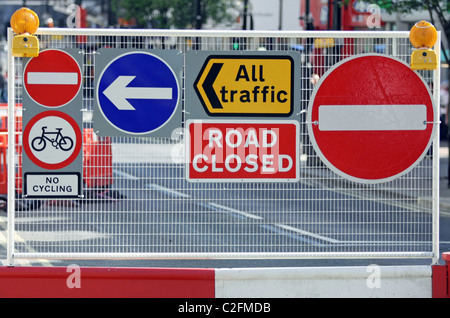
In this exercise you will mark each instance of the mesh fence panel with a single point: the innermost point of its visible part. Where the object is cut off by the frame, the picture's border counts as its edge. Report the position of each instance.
(137, 203)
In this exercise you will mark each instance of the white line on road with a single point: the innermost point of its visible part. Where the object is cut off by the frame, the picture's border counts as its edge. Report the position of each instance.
(227, 209)
(3, 238)
(125, 175)
(169, 191)
(306, 233)
(282, 226)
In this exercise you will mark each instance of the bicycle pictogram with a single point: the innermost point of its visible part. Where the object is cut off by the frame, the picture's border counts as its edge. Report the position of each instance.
(59, 141)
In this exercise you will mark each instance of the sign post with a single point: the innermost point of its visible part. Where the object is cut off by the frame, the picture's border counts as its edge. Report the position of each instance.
(371, 118)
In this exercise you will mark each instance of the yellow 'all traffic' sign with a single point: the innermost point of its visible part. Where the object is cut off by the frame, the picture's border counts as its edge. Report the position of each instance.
(247, 85)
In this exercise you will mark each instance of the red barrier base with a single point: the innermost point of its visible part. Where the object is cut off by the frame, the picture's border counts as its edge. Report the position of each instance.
(81, 282)
(441, 278)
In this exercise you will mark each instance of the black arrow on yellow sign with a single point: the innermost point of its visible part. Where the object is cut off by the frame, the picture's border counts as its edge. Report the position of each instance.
(208, 85)
(246, 85)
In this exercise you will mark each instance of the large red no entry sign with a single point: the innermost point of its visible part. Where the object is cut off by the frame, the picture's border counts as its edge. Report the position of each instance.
(53, 78)
(371, 118)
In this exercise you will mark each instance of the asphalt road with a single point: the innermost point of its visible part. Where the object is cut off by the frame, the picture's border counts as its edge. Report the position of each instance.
(253, 217)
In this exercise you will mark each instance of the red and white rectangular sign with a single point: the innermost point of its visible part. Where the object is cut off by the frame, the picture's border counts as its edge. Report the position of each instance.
(245, 151)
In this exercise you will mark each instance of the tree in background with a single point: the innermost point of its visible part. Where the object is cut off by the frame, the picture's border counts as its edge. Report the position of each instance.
(180, 14)
(439, 10)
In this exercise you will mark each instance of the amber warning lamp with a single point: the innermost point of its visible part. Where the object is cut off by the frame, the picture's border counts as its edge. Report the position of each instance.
(25, 23)
(423, 36)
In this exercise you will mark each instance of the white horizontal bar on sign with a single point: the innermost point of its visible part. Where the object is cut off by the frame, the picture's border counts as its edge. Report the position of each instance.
(53, 78)
(372, 117)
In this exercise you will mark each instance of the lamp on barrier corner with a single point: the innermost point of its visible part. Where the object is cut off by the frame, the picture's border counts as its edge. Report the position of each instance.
(423, 36)
(25, 23)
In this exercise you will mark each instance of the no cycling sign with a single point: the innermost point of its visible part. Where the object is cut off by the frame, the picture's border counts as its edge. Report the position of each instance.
(52, 137)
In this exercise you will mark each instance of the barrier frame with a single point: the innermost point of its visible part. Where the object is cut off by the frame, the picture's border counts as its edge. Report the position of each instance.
(11, 254)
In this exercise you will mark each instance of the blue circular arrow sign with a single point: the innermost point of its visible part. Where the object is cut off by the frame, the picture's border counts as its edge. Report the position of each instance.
(137, 92)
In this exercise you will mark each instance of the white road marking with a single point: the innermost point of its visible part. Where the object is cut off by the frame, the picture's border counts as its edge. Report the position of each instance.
(168, 191)
(306, 233)
(227, 209)
(125, 175)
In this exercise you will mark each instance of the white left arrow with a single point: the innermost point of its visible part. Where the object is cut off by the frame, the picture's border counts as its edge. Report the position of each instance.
(118, 92)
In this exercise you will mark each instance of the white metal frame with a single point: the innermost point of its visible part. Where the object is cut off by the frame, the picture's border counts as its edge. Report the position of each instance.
(13, 254)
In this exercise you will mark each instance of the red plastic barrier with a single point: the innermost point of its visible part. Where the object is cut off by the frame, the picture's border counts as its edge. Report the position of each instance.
(97, 160)
(3, 167)
(441, 278)
(97, 165)
(61, 282)
(3, 150)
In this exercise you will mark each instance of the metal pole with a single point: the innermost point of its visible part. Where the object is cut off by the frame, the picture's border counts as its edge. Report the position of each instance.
(244, 15)
(336, 15)
(111, 15)
(436, 141)
(198, 15)
(280, 14)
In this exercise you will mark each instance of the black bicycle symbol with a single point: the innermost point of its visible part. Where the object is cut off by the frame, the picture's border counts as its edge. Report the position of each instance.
(63, 142)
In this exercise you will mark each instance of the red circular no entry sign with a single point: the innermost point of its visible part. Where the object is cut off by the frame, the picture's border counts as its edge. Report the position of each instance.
(53, 78)
(371, 118)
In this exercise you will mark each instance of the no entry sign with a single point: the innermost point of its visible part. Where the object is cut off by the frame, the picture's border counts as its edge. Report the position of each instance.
(251, 151)
(53, 78)
(371, 118)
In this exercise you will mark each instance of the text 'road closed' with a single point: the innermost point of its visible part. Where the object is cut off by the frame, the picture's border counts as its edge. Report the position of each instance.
(258, 151)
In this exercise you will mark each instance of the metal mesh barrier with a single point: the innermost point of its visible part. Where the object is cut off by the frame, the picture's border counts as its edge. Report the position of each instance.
(137, 203)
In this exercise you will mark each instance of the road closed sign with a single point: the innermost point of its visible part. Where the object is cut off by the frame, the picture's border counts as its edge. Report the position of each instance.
(247, 151)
